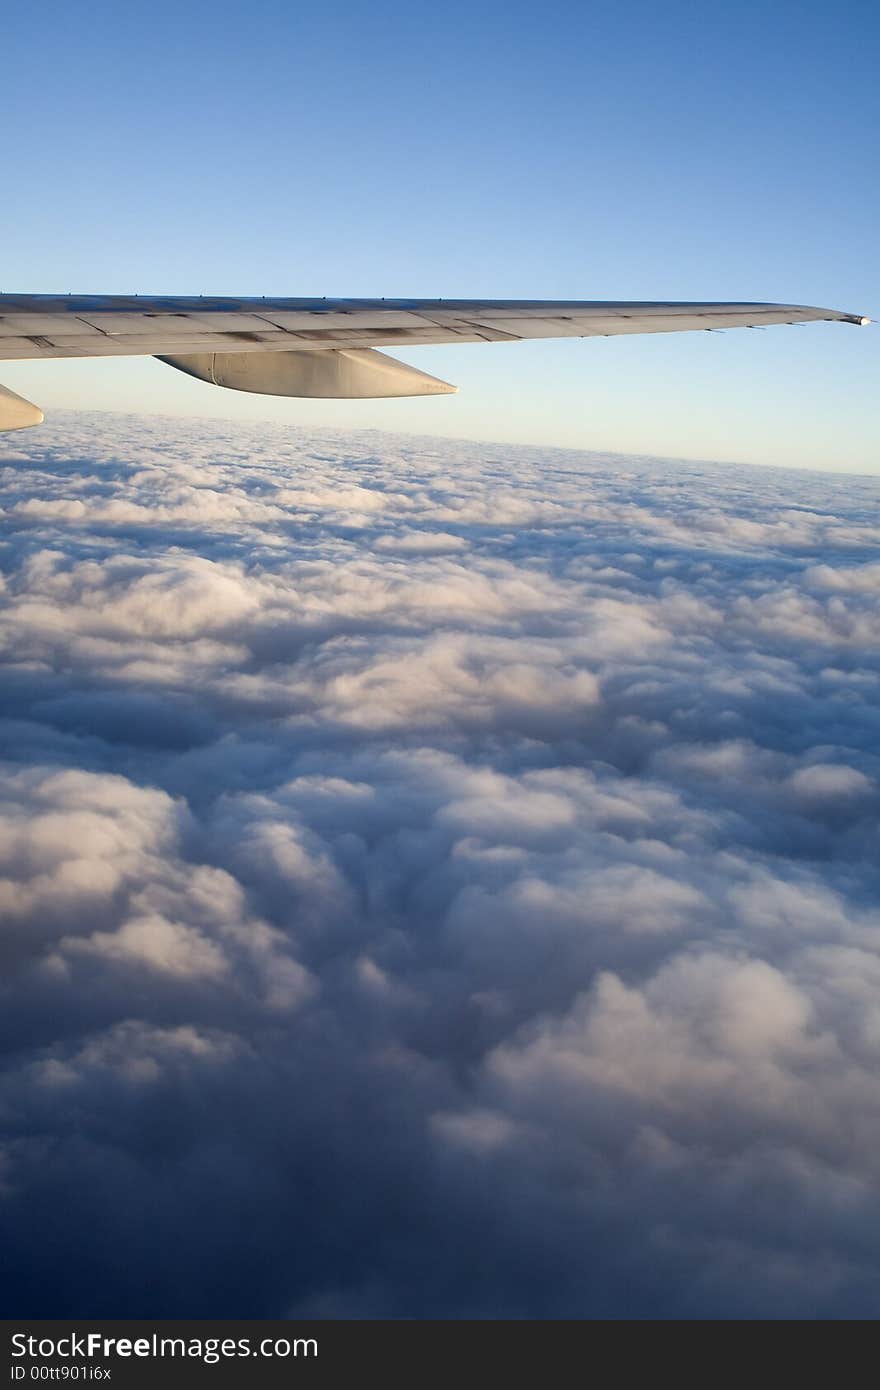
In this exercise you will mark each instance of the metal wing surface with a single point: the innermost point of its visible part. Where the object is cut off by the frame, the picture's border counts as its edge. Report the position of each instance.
(326, 347)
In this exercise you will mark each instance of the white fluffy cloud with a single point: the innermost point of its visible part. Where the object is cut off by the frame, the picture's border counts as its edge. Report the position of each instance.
(402, 839)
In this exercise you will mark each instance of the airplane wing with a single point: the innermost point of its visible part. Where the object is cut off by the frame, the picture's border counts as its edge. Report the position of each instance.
(326, 347)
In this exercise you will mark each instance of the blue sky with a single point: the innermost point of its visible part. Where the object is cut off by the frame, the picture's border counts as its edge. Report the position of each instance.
(626, 151)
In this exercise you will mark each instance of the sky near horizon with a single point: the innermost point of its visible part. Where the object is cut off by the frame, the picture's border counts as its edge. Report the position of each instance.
(497, 151)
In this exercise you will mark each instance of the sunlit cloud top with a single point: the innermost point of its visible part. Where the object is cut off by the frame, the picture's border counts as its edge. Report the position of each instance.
(437, 879)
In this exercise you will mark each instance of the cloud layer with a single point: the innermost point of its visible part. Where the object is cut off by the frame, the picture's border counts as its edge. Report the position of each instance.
(436, 879)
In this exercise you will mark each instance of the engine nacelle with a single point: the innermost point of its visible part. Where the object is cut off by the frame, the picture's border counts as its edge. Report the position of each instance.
(16, 413)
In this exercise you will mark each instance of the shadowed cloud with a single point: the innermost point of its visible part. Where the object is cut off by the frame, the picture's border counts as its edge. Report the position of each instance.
(436, 879)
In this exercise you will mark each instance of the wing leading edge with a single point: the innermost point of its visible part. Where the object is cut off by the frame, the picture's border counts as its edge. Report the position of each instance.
(323, 347)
